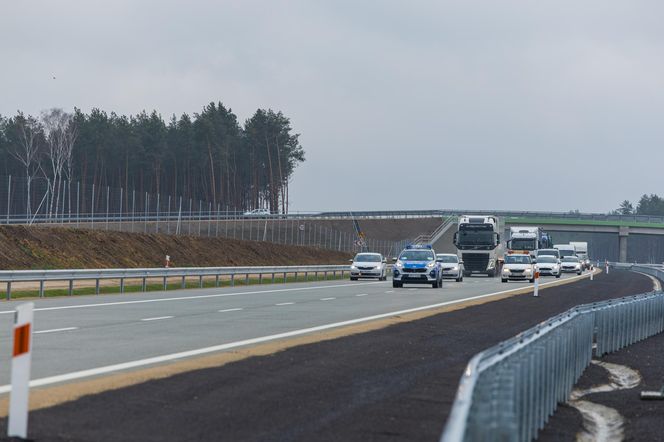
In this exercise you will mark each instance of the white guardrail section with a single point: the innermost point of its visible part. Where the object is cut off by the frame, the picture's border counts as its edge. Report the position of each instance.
(508, 391)
(12, 276)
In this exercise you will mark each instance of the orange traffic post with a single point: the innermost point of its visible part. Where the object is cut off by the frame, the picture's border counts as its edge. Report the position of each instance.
(536, 290)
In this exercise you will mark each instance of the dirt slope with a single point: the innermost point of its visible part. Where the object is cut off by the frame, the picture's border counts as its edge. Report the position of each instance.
(54, 248)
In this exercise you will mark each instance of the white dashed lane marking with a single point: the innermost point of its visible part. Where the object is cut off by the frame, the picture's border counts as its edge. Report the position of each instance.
(327, 299)
(285, 303)
(56, 330)
(229, 310)
(158, 318)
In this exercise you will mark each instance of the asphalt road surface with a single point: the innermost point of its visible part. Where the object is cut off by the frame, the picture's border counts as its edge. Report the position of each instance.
(100, 333)
(396, 383)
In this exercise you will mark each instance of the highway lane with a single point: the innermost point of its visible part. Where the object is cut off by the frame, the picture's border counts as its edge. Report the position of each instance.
(83, 333)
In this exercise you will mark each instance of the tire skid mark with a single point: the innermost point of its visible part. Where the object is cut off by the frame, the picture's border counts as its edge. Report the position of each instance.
(602, 423)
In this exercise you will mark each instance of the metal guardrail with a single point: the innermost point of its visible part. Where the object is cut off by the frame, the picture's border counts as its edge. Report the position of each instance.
(508, 392)
(11, 276)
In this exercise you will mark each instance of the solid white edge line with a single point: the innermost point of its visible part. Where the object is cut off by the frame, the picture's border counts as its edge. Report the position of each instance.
(55, 330)
(157, 318)
(186, 298)
(656, 285)
(215, 348)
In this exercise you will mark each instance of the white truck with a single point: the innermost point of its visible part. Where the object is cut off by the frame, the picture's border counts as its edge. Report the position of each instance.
(528, 238)
(565, 249)
(582, 252)
(478, 244)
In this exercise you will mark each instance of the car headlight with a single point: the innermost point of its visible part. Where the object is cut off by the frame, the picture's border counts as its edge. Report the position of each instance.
(398, 264)
(529, 271)
(353, 267)
(431, 265)
(455, 268)
(506, 270)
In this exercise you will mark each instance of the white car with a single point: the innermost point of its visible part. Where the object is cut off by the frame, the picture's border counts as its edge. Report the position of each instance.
(548, 265)
(450, 266)
(257, 212)
(368, 265)
(571, 264)
(518, 267)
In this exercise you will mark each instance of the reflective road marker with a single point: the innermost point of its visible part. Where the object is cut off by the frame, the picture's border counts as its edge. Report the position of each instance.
(21, 356)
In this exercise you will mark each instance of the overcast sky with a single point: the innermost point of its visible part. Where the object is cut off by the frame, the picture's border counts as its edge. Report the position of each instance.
(529, 105)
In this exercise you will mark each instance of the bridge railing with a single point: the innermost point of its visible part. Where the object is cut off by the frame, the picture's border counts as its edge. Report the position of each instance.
(508, 391)
(273, 273)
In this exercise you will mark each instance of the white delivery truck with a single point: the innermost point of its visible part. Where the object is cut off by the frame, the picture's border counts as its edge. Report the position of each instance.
(565, 250)
(582, 252)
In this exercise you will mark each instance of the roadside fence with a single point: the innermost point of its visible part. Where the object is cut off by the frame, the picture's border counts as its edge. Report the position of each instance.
(508, 391)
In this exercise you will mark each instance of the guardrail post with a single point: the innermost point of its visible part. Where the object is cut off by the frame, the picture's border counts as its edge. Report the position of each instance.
(41, 288)
(9, 290)
(97, 286)
(260, 278)
(216, 280)
(306, 276)
(325, 275)
(316, 275)
(285, 277)
(232, 280)
(272, 277)
(71, 287)
(334, 274)
(145, 285)
(165, 283)
(295, 276)
(122, 285)
(200, 281)
(184, 281)
(246, 279)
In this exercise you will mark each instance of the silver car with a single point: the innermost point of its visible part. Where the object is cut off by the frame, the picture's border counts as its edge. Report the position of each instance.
(450, 266)
(548, 265)
(368, 265)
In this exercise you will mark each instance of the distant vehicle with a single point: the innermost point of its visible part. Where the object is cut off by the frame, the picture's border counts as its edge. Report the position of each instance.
(368, 265)
(571, 264)
(565, 250)
(582, 252)
(478, 245)
(528, 238)
(518, 267)
(548, 252)
(257, 212)
(417, 265)
(450, 266)
(548, 265)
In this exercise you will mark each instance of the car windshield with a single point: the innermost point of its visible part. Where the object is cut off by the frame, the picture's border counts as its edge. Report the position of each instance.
(523, 244)
(416, 255)
(550, 252)
(447, 258)
(548, 259)
(570, 259)
(368, 258)
(517, 259)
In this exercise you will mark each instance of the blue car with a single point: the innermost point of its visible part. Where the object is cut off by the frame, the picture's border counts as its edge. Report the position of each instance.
(417, 265)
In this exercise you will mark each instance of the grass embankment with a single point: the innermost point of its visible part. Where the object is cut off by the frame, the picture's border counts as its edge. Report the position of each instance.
(26, 248)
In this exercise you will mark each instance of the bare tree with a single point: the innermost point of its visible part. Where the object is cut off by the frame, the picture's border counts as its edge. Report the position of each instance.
(27, 150)
(60, 133)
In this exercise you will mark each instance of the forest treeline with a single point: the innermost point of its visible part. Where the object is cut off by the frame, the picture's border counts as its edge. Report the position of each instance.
(208, 156)
(647, 205)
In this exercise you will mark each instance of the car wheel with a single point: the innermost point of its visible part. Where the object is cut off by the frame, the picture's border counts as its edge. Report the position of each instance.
(352, 278)
(558, 275)
(503, 280)
(579, 273)
(531, 280)
(459, 279)
(396, 284)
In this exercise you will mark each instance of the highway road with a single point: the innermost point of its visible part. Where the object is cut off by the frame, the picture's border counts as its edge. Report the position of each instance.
(87, 336)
